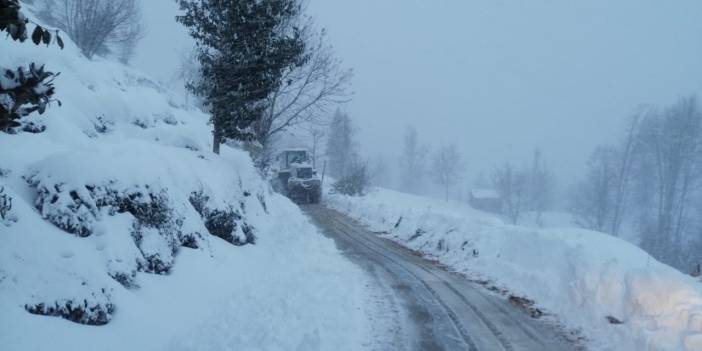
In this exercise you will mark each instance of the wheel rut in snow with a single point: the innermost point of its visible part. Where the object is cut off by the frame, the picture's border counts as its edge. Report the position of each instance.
(444, 310)
(452, 315)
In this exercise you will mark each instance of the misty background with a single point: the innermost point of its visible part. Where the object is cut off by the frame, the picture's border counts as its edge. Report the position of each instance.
(497, 78)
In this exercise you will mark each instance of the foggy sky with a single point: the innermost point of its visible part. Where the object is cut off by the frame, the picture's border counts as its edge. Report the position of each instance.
(498, 78)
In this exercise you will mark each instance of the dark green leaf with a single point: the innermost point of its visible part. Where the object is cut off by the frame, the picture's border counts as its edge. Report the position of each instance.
(37, 35)
(59, 40)
(46, 37)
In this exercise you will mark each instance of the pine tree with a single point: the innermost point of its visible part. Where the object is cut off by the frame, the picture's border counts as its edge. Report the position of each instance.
(412, 160)
(340, 145)
(243, 48)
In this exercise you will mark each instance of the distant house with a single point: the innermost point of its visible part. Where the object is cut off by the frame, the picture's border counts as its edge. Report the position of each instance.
(485, 200)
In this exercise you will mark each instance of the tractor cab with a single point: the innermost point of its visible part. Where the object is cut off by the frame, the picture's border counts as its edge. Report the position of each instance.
(295, 163)
(296, 178)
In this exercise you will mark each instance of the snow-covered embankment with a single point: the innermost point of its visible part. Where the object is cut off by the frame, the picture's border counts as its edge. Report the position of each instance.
(581, 276)
(127, 226)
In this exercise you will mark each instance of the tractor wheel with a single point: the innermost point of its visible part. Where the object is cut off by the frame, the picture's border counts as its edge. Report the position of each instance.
(315, 195)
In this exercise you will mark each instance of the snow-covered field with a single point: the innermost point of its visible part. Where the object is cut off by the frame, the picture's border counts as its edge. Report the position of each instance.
(124, 222)
(581, 276)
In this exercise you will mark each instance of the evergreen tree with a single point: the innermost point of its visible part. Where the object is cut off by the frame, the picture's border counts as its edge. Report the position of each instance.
(340, 145)
(412, 160)
(244, 46)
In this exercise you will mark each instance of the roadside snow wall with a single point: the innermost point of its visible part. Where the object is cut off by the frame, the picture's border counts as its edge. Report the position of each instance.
(581, 276)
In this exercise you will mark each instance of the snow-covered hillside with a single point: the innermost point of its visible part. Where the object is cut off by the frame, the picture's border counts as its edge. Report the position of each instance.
(127, 226)
(582, 277)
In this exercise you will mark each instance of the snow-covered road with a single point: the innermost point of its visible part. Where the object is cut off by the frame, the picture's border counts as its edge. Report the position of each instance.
(429, 308)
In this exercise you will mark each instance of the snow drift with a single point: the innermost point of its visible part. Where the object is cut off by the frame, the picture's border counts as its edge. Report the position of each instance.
(125, 232)
(583, 277)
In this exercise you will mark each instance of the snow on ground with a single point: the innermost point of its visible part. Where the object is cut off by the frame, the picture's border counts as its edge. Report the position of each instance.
(561, 219)
(124, 221)
(547, 219)
(581, 276)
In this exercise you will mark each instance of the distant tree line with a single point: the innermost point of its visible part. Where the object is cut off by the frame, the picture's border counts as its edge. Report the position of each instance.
(527, 189)
(649, 182)
(521, 189)
(445, 166)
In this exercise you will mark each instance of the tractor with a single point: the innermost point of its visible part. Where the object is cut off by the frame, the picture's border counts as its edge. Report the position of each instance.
(296, 178)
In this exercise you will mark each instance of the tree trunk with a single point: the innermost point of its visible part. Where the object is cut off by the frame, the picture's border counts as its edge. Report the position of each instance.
(623, 176)
(216, 142)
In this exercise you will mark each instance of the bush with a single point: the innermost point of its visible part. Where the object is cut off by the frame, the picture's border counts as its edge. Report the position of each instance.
(23, 92)
(158, 230)
(356, 182)
(5, 204)
(72, 210)
(95, 309)
(226, 223)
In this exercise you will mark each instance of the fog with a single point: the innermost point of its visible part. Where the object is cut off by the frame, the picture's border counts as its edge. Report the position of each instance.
(442, 174)
(500, 78)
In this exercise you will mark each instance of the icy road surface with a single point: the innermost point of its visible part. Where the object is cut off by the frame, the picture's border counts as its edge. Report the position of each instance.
(429, 308)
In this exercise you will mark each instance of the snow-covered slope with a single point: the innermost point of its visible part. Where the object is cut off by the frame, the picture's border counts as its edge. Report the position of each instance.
(581, 276)
(127, 226)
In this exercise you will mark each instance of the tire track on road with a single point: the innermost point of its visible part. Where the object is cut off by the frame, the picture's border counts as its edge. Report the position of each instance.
(452, 315)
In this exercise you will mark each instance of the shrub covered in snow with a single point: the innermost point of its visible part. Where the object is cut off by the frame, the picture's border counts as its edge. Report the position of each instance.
(356, 182)
(5, 204)
(65, 208)
(159, 226)
(226, 223)
(96, 309)
(23, 91)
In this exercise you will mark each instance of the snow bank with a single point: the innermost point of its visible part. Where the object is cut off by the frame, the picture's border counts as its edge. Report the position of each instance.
(126, 226)
(581, 276)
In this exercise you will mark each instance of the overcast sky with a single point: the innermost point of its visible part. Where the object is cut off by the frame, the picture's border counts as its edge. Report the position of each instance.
(498, 78)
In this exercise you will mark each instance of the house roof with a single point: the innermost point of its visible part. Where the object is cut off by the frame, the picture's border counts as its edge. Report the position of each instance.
(484, 194)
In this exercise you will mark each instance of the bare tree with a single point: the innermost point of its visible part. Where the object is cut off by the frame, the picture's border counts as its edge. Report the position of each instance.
(599, 202)
(447, 167)
(308, 92)
(316, 134)
(626, 163)
(97, 26)
(540, 187)
(189, 72)
(593, 199)
(670, 145)
(511, 184)
(412, 160)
